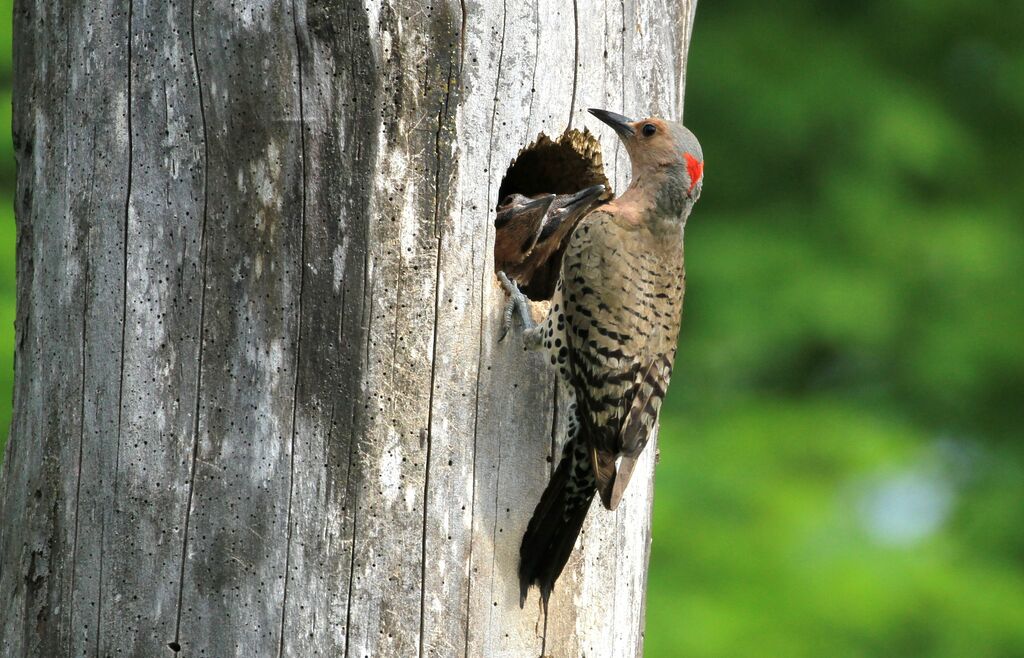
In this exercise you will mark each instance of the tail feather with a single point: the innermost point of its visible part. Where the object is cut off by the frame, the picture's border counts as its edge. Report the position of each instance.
(556, 522)
(624, 472)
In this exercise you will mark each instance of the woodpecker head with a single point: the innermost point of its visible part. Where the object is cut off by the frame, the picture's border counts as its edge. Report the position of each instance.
(567, 209)
(522, 209)
(659, 148)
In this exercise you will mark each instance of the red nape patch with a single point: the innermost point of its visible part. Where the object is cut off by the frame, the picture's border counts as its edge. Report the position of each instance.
(695, 168)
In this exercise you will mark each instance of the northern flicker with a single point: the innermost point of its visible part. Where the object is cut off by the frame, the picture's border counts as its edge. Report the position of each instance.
(529, 233)
(517, 226)
(611, 332)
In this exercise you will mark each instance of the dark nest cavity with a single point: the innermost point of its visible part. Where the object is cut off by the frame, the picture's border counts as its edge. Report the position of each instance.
(563, 166)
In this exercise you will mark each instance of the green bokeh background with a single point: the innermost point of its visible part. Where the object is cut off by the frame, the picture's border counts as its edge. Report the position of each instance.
(842, 471)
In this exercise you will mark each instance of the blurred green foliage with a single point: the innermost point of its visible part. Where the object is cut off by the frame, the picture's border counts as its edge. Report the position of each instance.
(842, 473)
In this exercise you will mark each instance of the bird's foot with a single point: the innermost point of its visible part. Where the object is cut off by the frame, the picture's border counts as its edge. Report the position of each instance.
(517, 303)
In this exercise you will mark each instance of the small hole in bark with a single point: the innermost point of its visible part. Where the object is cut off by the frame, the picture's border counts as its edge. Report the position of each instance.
(174, 646)
(528, 244)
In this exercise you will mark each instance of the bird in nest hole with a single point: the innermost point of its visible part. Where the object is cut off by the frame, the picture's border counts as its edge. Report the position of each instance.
(530, 233)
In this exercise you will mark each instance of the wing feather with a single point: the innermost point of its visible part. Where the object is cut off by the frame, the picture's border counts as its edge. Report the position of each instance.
(616, 294)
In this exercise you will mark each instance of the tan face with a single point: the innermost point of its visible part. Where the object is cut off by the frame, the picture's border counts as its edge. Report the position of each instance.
(656, 145)
(651, 145)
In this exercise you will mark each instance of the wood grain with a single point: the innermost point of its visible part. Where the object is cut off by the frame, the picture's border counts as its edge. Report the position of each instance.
(260, 408)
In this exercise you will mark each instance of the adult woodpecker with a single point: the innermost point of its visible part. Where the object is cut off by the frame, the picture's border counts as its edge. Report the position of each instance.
(612, 332)
(530, 232)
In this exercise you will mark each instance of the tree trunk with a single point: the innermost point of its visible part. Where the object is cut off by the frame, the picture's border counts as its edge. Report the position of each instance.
(260, 407)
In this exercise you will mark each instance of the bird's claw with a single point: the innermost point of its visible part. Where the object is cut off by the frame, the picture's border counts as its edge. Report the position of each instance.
(506, 319)
(517, 301)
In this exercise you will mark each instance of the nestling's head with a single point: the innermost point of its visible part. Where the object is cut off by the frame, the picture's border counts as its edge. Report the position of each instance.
(522, 208)
(567, 209)
(658, 145)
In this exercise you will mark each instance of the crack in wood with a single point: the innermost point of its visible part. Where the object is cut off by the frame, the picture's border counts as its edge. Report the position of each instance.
(490, 177)
(203, 258)
(575, 62)
(86, 296)
(298, 330)
(124, 319)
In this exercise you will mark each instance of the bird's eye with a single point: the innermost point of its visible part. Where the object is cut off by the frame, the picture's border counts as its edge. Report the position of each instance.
(506, 201)
(649, 129)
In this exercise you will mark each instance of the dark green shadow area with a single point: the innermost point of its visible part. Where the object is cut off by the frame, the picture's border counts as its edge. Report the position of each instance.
(7, 232)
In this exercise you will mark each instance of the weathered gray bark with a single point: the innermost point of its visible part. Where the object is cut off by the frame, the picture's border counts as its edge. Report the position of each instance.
(260, 408)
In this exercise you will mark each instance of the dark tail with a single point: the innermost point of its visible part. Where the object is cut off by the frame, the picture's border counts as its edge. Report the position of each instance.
(556, 522)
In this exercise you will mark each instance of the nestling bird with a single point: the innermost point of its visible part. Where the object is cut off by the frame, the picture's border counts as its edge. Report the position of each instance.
(517, 225)
(611, 332)
(530, 232)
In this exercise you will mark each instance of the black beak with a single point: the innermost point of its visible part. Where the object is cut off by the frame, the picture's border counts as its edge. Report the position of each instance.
(542, 202)
(573, 208)
(585, 196)
(618, 122)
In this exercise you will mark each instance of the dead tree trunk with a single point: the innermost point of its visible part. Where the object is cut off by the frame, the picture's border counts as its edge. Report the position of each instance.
(260, 408)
